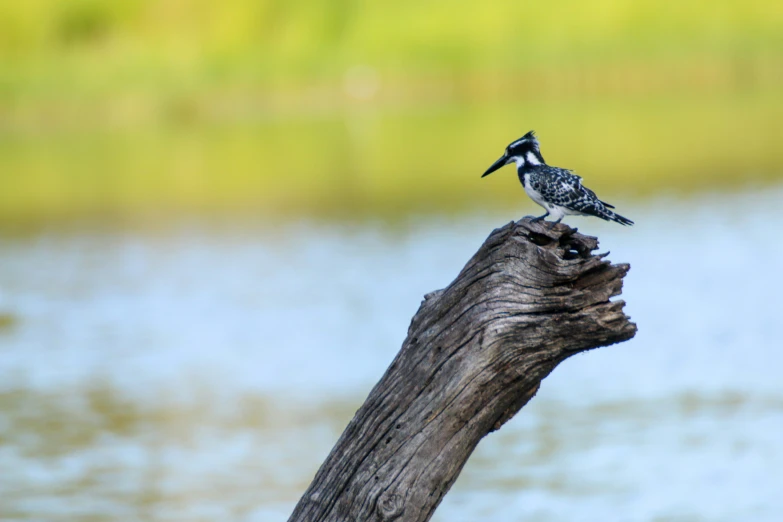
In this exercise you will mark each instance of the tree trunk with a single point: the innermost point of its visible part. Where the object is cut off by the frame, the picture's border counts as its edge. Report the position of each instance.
(475, 353)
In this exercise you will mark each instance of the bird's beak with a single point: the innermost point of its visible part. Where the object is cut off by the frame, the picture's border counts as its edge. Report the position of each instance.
(495, 166)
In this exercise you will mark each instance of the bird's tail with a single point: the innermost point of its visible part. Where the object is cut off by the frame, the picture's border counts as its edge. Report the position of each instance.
(600, 210)
(617, 218)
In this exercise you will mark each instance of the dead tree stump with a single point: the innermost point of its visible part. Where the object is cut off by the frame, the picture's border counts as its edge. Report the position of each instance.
(476, 352)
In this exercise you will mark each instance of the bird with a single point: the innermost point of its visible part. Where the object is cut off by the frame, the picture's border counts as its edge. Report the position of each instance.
(559, 191)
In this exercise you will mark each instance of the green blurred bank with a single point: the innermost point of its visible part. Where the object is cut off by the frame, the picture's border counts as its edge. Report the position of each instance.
(142, 110)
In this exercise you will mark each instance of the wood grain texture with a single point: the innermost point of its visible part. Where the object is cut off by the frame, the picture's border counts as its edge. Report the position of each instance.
(475, 353)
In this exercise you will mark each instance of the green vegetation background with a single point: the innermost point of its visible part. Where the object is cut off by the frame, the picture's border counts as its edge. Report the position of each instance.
(139, 109)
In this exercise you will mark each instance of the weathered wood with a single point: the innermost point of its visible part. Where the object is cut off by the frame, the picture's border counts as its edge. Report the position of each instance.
(475, 353)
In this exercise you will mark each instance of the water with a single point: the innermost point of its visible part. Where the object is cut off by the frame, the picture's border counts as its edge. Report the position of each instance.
(203, 372)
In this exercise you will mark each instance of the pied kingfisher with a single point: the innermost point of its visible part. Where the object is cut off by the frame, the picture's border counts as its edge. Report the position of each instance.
(559, 191)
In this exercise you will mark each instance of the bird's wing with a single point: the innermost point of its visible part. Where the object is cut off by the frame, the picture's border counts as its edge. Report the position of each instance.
(570, 186)
(559, 186)
(563, 188)
(575, 182)
(571, 177)
(607, 205)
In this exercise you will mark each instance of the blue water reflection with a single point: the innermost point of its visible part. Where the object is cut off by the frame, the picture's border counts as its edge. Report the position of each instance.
(204, 371)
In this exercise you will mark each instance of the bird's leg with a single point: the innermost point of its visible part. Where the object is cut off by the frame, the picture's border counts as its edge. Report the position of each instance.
(555, 222)
(539, 218)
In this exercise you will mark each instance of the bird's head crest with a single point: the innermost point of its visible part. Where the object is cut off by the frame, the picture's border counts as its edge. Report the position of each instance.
(525, 144)
(525, 152)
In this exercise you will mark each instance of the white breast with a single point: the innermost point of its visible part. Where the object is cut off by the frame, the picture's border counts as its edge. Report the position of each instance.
(556, 212)
(534, 194)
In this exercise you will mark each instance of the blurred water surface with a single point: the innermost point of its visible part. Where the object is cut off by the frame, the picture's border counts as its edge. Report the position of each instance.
(204, 371)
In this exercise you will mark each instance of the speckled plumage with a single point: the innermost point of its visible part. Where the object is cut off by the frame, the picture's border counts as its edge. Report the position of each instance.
(559, 191)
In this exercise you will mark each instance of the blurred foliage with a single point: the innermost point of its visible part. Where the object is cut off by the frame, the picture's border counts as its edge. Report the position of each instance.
(142, 107)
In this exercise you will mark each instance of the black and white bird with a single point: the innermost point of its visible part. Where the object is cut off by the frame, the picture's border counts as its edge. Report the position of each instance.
(559, 191)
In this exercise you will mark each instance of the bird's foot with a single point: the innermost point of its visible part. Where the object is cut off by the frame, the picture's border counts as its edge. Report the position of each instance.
(554, 224)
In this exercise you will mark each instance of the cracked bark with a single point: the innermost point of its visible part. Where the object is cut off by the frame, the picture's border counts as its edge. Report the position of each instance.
(475, 354)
